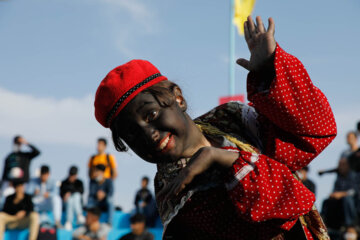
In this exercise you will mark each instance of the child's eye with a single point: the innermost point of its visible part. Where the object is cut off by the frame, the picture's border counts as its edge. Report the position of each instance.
(151, 116)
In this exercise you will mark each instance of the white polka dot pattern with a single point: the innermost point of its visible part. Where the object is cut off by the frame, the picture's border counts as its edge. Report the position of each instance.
(298, 124)
(295, 114)
(269, 191)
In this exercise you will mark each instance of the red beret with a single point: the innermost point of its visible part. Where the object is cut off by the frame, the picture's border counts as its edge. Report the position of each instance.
(121, 85)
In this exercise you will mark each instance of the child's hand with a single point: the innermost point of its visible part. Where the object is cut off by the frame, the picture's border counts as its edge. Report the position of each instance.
(261, 43)
(198, 164)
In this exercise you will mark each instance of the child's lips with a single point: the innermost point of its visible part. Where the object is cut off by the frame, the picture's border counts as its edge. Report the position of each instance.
(163, 145)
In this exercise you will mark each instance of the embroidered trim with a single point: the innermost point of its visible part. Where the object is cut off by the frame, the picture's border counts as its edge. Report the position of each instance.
(127, 94)
(245, 170)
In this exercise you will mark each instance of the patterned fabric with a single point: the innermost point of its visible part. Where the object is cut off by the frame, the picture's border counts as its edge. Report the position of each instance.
(288, 125)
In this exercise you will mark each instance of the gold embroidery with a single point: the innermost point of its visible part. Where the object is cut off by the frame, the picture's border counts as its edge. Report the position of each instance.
(211, 130)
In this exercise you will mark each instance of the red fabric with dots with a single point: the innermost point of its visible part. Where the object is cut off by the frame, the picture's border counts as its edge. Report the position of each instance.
(300, 121)
(269, 191)
(265, 199)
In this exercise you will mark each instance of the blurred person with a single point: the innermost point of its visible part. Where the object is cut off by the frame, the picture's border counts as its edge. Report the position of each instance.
(143, 196)
(145, 203)
(358, 129)
(303, 175)
(108, 160)
(15, 161)
(20, 159)
(93, 229)
(352, 142)
(101, 192)
(45, 195)
(138, 230)
(8, 189)
(71, 191)
(340, 208)
(18, 212)
(354, 156)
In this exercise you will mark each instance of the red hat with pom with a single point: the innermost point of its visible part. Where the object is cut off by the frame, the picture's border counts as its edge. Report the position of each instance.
(121, 85)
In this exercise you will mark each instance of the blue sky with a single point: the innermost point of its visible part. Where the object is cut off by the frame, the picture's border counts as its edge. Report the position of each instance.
(53, 54)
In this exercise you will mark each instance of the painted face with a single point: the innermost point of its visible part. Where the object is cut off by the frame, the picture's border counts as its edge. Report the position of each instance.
(153, 132)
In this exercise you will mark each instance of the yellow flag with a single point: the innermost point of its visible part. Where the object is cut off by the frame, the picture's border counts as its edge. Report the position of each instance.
(242, 9)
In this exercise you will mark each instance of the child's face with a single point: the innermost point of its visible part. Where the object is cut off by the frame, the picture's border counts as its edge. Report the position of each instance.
(153, 132)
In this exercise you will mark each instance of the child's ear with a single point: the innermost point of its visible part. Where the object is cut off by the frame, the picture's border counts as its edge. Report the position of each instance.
(179, 98)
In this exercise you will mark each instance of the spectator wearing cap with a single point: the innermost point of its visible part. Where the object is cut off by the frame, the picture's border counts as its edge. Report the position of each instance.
(18, 212)
(45, 195)
(138, 230)
(71, 191)
(93, 229)
(101, 192)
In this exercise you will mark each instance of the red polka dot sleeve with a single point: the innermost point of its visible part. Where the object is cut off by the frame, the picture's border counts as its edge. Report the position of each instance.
(295, 116)
(263, 189)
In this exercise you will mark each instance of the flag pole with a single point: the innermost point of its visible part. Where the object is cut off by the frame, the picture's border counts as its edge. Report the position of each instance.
(232, 52)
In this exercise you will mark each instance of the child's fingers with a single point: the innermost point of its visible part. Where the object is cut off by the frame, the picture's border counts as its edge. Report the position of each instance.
(271, 27)
(244, 63)
(260, 24)
(251, 26)
(246, 31)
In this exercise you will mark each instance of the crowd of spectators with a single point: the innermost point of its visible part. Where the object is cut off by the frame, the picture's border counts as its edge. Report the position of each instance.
(25, 202)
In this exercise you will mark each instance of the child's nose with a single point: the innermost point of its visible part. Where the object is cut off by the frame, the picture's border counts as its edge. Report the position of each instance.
(152, 134)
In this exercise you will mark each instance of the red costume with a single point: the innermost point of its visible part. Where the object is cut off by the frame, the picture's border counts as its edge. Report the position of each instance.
(287, 124)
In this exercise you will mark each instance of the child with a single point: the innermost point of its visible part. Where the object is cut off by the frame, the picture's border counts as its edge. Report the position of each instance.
(229, 173)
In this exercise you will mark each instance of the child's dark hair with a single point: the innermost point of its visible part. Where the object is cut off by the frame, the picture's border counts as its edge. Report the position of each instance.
(44, 169)
(137, 218)
(17, 182)
(162, 92)
(145, 178)
(16, 139)
(94, 210)
(102, 140)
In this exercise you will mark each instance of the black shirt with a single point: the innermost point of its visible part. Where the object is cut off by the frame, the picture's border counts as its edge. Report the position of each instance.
(25, 204)
(72, 187)
(21, 160)
(143, 195)
(354, 160)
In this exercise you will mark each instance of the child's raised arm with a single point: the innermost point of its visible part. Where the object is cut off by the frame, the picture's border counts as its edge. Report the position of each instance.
(296, 120)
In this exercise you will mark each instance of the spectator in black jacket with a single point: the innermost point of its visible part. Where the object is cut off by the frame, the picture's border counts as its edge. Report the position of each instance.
(16, 165)
(18, 212)
(71, 191)
(145, 204)
(20, 159)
